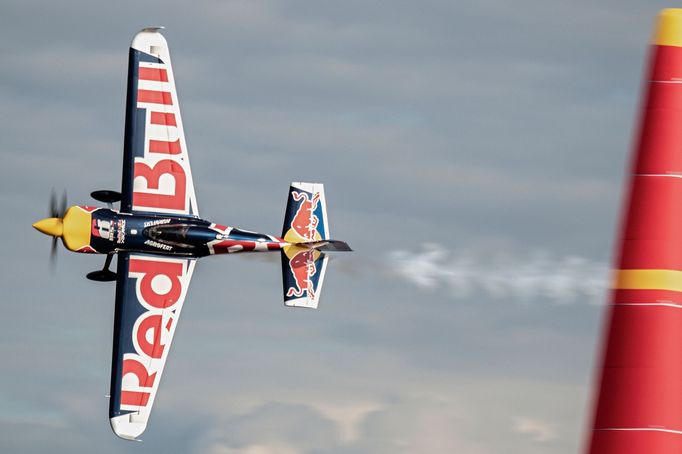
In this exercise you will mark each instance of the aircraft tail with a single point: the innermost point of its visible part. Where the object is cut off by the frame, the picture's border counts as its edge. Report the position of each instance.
(304, 262)
(306, 215)
(302, 275)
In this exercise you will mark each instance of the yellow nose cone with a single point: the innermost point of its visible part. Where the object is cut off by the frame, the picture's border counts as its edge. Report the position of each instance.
(50, 226)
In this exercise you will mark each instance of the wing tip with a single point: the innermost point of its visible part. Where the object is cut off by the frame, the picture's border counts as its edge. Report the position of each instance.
(126, 429)
(148, 37)
(304, 302)
(153, 29)
(307, 186)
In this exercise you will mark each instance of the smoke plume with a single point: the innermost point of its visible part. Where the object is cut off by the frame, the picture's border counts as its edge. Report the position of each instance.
(536, 276)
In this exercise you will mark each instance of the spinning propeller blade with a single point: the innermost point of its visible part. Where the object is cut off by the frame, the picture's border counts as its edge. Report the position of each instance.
(56, 210)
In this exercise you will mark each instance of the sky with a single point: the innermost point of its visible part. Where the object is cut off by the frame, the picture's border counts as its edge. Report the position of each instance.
(473, 155)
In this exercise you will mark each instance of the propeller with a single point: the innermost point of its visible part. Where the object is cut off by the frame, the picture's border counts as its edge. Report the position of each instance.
(57, 210)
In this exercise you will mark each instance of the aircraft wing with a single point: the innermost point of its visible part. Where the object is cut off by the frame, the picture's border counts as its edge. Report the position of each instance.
(150, 291)
(156, 172)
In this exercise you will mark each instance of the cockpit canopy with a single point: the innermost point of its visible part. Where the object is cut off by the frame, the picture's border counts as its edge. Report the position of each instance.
(180, 235)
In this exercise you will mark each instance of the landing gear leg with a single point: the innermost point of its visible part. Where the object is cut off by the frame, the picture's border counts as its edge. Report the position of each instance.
(105, 274)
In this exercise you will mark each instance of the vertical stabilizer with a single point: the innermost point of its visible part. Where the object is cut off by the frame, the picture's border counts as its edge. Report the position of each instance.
(302, 275)
(306, 216)
(303, 267)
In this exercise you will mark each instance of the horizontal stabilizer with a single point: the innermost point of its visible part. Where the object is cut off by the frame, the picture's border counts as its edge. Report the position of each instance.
(326, 245)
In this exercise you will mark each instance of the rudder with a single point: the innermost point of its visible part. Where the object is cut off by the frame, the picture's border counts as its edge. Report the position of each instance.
(303, 267)
(305, 218)
(302, 276)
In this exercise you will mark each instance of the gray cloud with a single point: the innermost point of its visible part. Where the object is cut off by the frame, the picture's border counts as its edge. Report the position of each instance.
(540, 431)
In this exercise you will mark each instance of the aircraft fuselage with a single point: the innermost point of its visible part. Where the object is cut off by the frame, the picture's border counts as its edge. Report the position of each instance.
(102, 230)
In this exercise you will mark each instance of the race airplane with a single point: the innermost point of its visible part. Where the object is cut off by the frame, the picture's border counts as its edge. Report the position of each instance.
(158, 235)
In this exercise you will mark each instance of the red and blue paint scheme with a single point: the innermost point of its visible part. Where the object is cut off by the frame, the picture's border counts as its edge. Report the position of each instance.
(157, 235)
(113, 231)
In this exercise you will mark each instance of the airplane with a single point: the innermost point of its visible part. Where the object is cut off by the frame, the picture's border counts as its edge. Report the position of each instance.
(158, 235)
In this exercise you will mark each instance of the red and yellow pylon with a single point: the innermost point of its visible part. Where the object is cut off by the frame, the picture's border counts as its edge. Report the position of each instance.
(638, 407)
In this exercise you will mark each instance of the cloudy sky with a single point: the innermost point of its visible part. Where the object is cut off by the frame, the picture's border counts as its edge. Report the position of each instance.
(473, 155)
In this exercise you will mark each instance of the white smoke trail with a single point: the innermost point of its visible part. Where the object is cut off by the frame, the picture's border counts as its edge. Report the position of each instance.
(539, 275)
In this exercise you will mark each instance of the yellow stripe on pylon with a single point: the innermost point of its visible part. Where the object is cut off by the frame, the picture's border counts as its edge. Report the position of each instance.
(648, 280)
(668, 30)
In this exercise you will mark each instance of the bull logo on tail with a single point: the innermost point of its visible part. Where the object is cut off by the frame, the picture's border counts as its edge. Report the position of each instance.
(305, 222)
(302, 266)
(302, 261)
